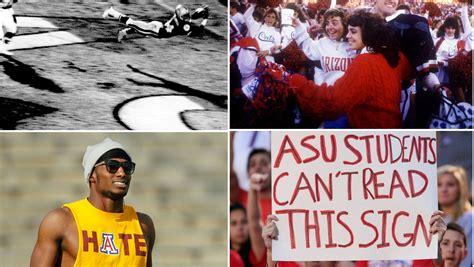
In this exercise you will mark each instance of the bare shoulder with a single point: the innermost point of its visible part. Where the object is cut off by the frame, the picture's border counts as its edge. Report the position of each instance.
(52, 232)
(57, 220)
(145, 221)
(148, 228)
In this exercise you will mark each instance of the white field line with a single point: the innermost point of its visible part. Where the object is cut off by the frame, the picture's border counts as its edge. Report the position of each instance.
(34, 22)
(41, 39)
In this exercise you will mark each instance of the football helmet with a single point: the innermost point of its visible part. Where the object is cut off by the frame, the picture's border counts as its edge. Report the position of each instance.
(182, 13)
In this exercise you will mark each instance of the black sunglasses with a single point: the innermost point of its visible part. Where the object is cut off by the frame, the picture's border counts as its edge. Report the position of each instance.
(113, 166)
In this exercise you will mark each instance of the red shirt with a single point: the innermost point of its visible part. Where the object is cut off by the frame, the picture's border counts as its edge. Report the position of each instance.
(258, 263)
(235, 259)
(369, 92)
(416, 263)
(265, 204)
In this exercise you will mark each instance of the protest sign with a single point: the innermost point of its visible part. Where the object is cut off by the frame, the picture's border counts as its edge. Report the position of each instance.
(354, 195)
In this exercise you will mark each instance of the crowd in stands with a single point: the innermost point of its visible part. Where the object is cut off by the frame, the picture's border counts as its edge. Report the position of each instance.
(385, 65)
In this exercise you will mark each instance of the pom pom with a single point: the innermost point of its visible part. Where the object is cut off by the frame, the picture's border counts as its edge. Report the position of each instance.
(315, 7)
(320, 4)
(293, 58)
(460, 70)
(433, 9)
(268, 3)
(274, 103)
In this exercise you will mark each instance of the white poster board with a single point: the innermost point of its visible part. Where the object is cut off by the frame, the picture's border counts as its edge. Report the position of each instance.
(354, 195)
(287, 16)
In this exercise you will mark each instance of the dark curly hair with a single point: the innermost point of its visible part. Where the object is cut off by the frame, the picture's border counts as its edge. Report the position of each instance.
(376, 35)
(336, 12)
(449, 22)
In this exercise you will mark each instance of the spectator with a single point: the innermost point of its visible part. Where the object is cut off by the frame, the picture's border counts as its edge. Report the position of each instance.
(369, 91)
(447, 46)
(266, 33)
(453, 198)
(328, 50)
(453, 246)
(237, 17)
(240, 239)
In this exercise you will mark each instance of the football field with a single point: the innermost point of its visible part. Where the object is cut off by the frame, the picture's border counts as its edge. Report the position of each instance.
(68, 71)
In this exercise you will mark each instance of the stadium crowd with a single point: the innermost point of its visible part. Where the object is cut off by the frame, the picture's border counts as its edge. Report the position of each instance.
(385, 64)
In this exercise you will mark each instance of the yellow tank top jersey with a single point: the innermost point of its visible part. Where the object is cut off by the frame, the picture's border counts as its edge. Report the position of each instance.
(108, 239)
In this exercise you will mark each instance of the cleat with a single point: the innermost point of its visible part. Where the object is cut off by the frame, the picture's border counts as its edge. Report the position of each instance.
(121, 34)
(108, 13)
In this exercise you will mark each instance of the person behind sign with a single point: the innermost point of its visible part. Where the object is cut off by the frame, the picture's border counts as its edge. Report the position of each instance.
(235, 260)
(98, 230)
(270, 232)
(453, 246)
(453, 200)
(258, 162)
(240, 239)
(259, 172)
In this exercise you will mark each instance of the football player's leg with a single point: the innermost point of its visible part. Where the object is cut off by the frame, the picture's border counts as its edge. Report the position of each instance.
(111, 13)
(146, 28)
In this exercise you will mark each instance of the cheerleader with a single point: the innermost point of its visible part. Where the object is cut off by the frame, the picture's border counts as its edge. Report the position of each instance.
(332, 51)
(266, 33)
(447, 46)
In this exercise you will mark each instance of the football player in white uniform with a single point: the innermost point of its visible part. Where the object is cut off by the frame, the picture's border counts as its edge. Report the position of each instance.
(8, 26)
(180, 24)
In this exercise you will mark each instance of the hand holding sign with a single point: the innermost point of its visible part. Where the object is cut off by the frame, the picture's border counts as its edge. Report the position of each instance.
(437, 224)
(270, 231)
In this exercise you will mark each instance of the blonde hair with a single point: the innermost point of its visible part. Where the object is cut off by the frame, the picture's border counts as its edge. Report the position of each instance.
(462, 205)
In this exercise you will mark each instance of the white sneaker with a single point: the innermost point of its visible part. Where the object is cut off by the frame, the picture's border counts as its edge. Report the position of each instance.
(108, 13)
(121, 34)
(3, 49)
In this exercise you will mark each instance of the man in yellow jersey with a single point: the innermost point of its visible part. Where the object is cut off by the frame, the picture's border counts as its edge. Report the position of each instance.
(98, 230)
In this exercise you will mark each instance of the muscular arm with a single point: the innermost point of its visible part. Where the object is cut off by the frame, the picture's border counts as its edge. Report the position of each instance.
(50, 234)
(148, 229)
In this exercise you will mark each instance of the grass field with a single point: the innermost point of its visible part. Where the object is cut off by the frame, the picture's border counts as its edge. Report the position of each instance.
(84, 85)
